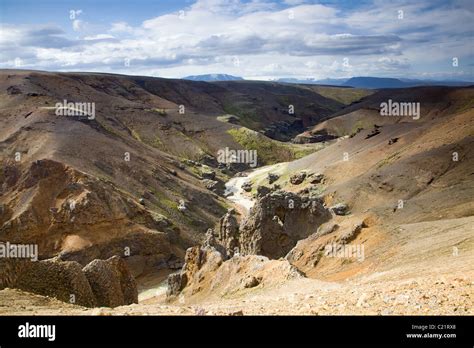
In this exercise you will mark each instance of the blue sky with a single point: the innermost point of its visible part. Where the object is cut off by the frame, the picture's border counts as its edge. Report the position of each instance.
(257, 39)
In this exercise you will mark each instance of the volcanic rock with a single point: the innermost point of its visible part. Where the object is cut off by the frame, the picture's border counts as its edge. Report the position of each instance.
(104, 283)
(63, 280)
(262, 191)
(317, 178)
(340, 209)
(247, 186)
(272, 177)
(127, 281)
(228, 235)
(298, 178)
(297, 217)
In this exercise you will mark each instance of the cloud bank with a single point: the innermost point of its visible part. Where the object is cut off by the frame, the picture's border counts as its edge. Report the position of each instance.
(259, 39)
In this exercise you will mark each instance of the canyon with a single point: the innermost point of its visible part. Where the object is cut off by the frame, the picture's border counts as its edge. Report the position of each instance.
(133, 213)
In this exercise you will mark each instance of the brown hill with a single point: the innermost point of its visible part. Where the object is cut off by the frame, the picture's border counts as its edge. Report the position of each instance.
(393, 174)
(84, 186)
(400, 187)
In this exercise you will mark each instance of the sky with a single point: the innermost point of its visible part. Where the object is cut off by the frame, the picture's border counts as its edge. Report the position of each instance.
(255, 39)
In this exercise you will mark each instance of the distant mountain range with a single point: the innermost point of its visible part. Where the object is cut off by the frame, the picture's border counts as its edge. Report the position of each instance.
(213, 77)
(312, 81)
(357, 82)
(376, 82)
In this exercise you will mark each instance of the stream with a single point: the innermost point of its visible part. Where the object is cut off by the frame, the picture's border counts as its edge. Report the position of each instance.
(241, 198)
(155, 285)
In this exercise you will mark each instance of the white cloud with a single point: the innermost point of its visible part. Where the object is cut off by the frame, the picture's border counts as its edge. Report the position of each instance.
(121, 27)
(295, 40)
(77, 25)
(99, 37)
(294, 2)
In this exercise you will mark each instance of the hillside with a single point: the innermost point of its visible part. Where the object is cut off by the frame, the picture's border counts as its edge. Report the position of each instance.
(140, 180)
(135, 161)
(257, 105)
(364, 113)
(396, 175)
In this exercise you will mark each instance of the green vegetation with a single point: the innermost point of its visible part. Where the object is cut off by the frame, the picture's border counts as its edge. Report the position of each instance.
(342, 95)
(341, 128)
(284, 100)
(227, 118)
(161, 112)
(157, 143)
(108, 129)
(248, 117)
(388, 160)
(357, 127)
(164, 202)
(269, 151)
(465, 106)
(135, 135)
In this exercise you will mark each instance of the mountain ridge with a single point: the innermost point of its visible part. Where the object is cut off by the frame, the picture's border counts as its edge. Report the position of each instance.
(213, 77)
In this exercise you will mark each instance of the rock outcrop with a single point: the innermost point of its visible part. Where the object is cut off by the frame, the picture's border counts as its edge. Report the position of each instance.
(127, 281)
(228, 235)
(278, 220)
(317, 178)
(101, 283)
(308, 252)
(210, 184)
(207, 173)
(272, 177)
(262, 191)
(207, 273)
(104, 283)
(193, 271)
(313, 137)
(247, 186)
(111, 282)
(340, 209)
(298, 178)
(63, 280)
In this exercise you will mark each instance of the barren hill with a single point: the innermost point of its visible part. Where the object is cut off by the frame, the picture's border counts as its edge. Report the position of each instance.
(133, 162)
(140, 180)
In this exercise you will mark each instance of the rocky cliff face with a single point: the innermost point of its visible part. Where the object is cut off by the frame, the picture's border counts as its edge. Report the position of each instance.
(68, 213)
(104, 283)
(54, 278)
(228, 234)
(208, 273)
(274, 225)
(111, 282)
(278, 221)
(238, 257)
